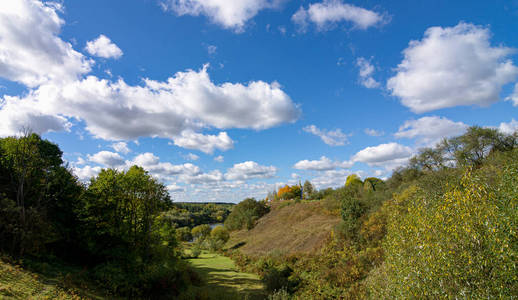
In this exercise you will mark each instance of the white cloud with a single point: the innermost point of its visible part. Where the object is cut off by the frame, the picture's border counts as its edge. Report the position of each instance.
(514, 96)
(174, 188)
(452, 66)
(323, 164)
(103, 47)
(175, 109)
(31, 52)
(330, 12)
(373, 132)
(430, 130)
(211, 49)
(192, 156)
(250, 170)
(331, 137)
(86, 172)
(295, 176)
(366, 70)
(228, 14)
(509, 128)
(204, 143)
(202, 178)
(121, 147)
(219, 158)
(107, 158)
(388, 155)
(331, 178)
(152, 163)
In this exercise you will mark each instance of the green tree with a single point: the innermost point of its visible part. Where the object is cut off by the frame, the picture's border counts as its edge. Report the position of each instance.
(308, 190)
(201, 232)
(353, 179)
(459, 244)
(220, 233)
(245, 214)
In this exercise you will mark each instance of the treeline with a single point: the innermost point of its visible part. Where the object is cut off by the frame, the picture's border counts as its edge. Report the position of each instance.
(185, 214)
(444, 226)
(116, 227)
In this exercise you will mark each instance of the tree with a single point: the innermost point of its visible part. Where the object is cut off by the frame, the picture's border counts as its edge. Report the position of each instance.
(201, 232)
(220, 233)
(245, 214)
(308, 190)
(33, 185)
(353, 180)
(457, 244)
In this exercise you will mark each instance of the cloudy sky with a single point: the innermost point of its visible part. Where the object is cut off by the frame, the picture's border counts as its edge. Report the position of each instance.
(224, 99)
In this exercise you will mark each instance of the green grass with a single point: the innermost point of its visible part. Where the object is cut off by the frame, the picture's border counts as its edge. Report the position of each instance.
(224, 281)
(46, 281)
(18, 283)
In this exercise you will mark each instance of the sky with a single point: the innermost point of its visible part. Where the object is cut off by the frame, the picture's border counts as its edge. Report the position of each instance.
(227, 99)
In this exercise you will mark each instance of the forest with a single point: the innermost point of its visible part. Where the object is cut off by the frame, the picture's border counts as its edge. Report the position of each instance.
(443, 226)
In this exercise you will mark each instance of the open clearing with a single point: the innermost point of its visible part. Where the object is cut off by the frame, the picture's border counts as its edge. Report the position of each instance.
(224, 281)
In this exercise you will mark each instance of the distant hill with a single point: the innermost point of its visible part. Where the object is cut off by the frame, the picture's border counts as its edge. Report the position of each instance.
(297, 228)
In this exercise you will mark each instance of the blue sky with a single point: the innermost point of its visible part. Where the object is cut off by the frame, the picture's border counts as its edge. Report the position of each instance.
(222, 100)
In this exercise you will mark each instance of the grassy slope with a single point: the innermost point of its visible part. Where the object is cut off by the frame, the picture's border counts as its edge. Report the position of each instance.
(223, 279)
(297, 228)
(18, 283)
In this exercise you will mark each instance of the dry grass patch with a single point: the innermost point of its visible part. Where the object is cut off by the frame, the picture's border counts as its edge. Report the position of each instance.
(297, 228)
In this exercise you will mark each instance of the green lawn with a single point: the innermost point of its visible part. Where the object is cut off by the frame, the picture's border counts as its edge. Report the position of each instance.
(224, 281)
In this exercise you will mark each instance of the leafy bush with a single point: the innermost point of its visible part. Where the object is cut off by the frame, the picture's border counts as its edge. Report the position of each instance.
(245, 214)
(460, 244)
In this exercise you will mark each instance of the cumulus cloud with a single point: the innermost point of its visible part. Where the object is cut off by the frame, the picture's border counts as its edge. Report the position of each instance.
(323, 164)
(373, 132)
(121, 147)
(192, 156)
(452, 66)
(31, 52)
(174, 109)
(330, 12)
(388, 155)
(430, 130)
(509, 128)
(204, 143)
(174, 188)
(514, 96)
(152, 163)
(86, 172)
(17, 115)
(331, 178)
(366, 70)
(107, 158)
(250, 170)
(103, 47)
(219, 158)
(202, 178)
(228, 14)
(331, 137)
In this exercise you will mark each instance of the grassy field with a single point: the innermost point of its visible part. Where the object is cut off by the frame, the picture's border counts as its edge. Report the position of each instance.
(297, 228)
(224, 281)
(19, 283)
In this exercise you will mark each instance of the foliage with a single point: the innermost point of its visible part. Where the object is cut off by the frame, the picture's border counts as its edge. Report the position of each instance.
(201, 232)
(245, 214)
(289, 192)
(353, 180)
(194, 214)
(308, 190)
(220, 233)
(460, 244)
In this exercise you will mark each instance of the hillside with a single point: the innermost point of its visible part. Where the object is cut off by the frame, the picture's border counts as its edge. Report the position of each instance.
(19, 283)
(297, 228)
